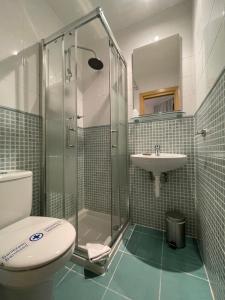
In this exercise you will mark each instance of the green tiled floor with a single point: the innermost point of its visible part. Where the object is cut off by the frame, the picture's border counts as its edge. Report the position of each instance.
(144, 268)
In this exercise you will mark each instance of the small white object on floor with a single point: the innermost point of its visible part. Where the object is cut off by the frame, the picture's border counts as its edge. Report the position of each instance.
(97, 252)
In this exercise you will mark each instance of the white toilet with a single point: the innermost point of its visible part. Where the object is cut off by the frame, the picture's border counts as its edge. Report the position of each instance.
(32, 249)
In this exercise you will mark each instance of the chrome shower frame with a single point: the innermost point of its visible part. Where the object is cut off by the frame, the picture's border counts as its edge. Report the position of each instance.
(95, 14)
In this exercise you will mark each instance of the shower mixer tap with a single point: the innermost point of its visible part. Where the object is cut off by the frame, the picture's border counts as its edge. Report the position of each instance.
(157, 150)
(94, 62)
(68, 72)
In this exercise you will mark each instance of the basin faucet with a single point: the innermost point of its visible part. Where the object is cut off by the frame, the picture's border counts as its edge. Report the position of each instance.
(157, 149)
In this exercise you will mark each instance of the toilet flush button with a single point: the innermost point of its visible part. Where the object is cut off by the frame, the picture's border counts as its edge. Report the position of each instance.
(36, 237)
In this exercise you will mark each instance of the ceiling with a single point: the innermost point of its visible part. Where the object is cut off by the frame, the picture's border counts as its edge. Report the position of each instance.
(119, 13)
(25, 22)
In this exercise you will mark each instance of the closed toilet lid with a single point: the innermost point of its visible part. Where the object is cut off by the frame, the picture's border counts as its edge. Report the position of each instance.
(34, 242)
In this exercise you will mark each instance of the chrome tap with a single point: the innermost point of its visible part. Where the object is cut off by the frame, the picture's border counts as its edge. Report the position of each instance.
(157, 149)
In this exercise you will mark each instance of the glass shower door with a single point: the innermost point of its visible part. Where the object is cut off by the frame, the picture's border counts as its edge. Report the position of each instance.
(85, 131)
(120, 209)
(123, 144)
(60, 129)
(70, 129)
(94, 148)
(115, 205)
(54, 126)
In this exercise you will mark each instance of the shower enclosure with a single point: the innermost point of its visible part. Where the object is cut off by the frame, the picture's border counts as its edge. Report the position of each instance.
(84, 109)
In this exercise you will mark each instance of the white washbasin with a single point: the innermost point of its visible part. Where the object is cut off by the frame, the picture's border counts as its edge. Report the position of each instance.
(158, 164)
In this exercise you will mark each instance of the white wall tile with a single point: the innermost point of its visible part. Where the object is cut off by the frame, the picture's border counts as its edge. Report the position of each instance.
(216, 60)
(22, 25)
(187, 66)
(209, 44)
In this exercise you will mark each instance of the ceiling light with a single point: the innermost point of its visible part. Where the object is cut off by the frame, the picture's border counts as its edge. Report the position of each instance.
(15, 52)
(156, 38)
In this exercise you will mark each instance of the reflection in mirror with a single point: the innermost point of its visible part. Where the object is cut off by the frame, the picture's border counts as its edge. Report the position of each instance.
(157, 77)
(160, 101)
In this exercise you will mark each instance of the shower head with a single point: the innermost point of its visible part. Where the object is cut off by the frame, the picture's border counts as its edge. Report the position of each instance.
(95, 63)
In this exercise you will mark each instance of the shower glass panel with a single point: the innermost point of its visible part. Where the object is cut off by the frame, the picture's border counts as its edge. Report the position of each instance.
(70, 129)
(93, 106)
(120, 202)
(60, 126)
(123, 144)
(85, 131)
(54, 125)
(114, 85)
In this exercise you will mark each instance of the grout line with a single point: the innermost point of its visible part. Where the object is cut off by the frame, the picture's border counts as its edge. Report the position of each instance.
(64, 276)
(149, 234)
(99, 284)
(161, 263)
(210, 286)
(71, 269)
(125, 244)
(125, 297)
(195, 276)
(142, 258)
(153, 228)
(61, 280)
(175, 269)
(107, 287)
(90, 279)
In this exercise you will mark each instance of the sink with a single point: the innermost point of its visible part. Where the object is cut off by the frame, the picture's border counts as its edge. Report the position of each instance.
(158, 164)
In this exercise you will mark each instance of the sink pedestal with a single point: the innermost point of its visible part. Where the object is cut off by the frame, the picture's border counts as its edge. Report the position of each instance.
(157, 185)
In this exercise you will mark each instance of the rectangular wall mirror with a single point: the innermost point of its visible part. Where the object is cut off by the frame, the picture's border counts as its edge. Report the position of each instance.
(157, 77)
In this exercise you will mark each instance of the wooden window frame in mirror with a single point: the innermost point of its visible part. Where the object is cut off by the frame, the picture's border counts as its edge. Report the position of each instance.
(158, 93)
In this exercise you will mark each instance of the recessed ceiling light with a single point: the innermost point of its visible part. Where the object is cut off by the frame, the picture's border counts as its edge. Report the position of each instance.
(15, 52)
(156, 38)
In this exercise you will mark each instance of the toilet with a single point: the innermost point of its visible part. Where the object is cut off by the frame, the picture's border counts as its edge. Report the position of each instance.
(32, 249)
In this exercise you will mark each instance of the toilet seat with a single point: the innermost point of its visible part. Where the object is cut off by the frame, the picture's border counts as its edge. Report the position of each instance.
(34, 242)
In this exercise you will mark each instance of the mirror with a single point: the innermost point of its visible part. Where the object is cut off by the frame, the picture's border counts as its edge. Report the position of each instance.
(157, 77)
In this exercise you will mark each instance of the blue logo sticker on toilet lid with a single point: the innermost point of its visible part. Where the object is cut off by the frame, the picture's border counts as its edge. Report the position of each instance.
(28, 242)
(36, 237)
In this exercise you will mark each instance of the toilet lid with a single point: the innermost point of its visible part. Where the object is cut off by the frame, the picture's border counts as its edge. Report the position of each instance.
(34, 241)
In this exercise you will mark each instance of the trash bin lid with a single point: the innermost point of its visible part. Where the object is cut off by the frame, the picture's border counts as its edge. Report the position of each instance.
(175, 216)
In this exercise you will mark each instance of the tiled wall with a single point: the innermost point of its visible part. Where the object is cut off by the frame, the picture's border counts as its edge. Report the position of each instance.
(97, 185)
(20, 146)
(80, 167)
(210, 175)
(59, 203)
(97, 169)
(209, 44)
(174, 136)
